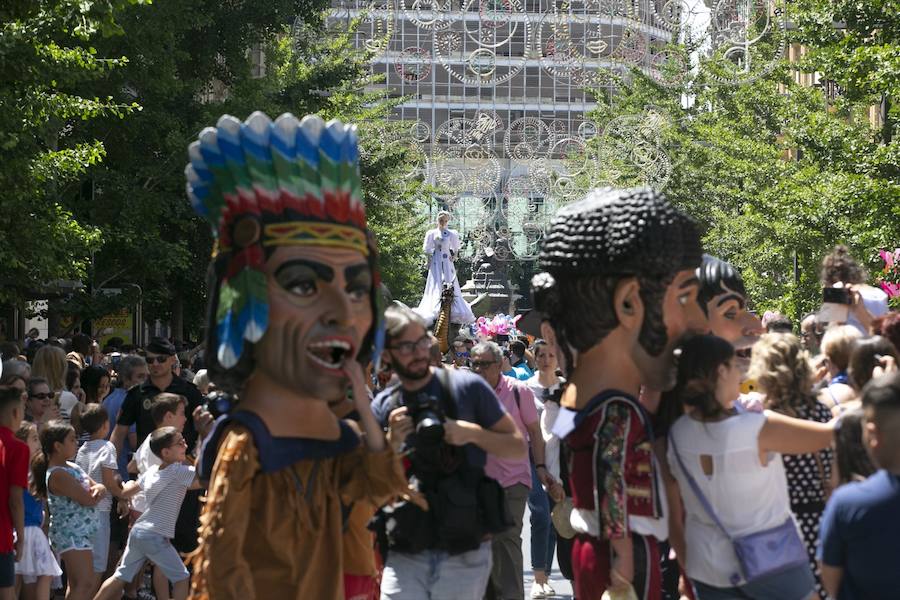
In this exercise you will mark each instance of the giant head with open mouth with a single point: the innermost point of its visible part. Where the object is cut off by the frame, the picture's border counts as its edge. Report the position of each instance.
(294, 273)
(724, 300)
(621, 259)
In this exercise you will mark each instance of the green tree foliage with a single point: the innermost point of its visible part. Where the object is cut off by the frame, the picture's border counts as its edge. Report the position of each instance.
(47, 55)
(188, 64)
(772, 170)
(855, 43)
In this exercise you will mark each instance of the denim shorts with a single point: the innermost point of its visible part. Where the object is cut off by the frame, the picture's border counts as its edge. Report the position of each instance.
(436, 575)
(793, 584)
(146, 545)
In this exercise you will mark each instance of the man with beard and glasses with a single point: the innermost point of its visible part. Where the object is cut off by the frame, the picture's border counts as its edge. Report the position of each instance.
(617, 293)
(293, 318)
(441, 554)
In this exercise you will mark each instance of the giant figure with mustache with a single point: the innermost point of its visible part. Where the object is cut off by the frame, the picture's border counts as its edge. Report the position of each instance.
(617, 294)
(293, 314)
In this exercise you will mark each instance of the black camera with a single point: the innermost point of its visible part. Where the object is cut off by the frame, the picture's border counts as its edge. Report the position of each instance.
(428, 418)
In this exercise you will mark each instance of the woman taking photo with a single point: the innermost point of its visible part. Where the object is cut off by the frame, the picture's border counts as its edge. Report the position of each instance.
(734, 460)
(782, 371)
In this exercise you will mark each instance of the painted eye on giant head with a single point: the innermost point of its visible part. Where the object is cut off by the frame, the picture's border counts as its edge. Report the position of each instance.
(298, 278)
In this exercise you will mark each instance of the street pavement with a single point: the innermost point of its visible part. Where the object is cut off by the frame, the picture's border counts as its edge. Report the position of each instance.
(561, 585)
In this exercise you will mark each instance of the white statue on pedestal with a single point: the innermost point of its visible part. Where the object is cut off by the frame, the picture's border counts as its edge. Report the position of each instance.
(441, 246)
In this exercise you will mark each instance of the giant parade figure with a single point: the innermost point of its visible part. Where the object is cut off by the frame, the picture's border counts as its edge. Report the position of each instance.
(293, 317)
(616, 295)
(441, 247)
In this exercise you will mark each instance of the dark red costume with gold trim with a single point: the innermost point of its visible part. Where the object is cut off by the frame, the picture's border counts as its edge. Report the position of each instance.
(612, 478)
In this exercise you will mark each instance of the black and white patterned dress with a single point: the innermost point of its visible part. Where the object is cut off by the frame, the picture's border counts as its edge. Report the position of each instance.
(806, 488)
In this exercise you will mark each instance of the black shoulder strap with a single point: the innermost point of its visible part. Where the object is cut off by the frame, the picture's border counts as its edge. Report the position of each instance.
(519, 406)
(443, 377)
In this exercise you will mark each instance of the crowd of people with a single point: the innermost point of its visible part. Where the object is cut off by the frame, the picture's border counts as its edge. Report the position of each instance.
(318, 446)
(100, 487)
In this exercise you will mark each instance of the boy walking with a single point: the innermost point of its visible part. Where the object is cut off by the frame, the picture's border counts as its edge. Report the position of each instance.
(14, 456)
(97, 458)
(164, 486)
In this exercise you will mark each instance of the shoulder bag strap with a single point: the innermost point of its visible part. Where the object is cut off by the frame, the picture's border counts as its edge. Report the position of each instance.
(696, 489)
(443, 377)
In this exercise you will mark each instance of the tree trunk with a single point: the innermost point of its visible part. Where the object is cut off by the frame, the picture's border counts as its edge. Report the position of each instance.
(177, 318)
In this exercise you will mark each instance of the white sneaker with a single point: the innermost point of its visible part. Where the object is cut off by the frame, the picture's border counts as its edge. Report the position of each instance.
(537, 591)
(549, 592)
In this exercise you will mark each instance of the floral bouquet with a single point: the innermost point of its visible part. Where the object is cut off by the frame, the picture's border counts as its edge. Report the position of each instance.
(889, 280)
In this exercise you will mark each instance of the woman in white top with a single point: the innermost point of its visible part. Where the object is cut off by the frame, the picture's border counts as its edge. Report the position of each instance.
(735, 458)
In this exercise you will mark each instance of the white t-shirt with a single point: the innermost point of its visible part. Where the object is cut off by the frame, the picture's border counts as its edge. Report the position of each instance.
(876, 302)
(144, 459)
(92, 457)
(547, 412)
(164, 489)
(746, 496)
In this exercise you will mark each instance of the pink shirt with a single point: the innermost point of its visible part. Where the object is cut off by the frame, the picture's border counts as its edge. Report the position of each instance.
(511, 472)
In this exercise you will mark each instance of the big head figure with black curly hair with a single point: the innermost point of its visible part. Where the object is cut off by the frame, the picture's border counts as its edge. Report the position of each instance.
(618, 294)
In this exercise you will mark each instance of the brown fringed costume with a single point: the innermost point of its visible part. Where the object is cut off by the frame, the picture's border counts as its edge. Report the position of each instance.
(294, 315)
(282, 521)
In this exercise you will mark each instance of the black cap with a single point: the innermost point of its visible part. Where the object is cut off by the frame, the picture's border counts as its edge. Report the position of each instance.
(160, 345)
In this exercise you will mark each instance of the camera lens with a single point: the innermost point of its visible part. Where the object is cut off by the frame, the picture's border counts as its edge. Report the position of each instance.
(429, 429)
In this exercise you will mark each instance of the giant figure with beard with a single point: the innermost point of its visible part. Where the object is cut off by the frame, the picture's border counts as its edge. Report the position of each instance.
(617, 294)
(293, 314)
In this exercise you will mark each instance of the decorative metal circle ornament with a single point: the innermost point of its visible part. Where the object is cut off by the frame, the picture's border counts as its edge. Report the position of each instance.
(469, 51)
(377, 25)
(431, 15)
(413, 64)
(748, 38)
(420, 132)
(527, 138)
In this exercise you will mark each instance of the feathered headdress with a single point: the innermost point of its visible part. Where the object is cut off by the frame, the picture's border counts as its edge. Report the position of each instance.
(261, 184)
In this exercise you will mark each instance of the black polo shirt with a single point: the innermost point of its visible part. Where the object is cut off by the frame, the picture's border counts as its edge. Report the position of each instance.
(136, 407)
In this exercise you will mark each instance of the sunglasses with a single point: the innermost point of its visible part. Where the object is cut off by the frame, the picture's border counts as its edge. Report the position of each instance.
(462, 354)
(43, 396)
(482, 364)
(157, 359)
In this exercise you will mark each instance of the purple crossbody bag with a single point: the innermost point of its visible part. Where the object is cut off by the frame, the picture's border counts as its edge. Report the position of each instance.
(761, 553)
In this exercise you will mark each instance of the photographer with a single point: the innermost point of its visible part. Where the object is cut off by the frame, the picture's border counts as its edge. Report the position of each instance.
(841, 271)
(447, 421)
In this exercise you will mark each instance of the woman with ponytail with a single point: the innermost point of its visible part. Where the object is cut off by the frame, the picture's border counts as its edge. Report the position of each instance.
(735, 460)
(72, 496)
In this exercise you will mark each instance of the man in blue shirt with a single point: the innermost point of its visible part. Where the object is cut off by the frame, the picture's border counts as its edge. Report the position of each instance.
(481, 426)
(859, 545)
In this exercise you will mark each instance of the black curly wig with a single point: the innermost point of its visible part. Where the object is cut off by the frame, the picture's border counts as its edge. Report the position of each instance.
(592, 245)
